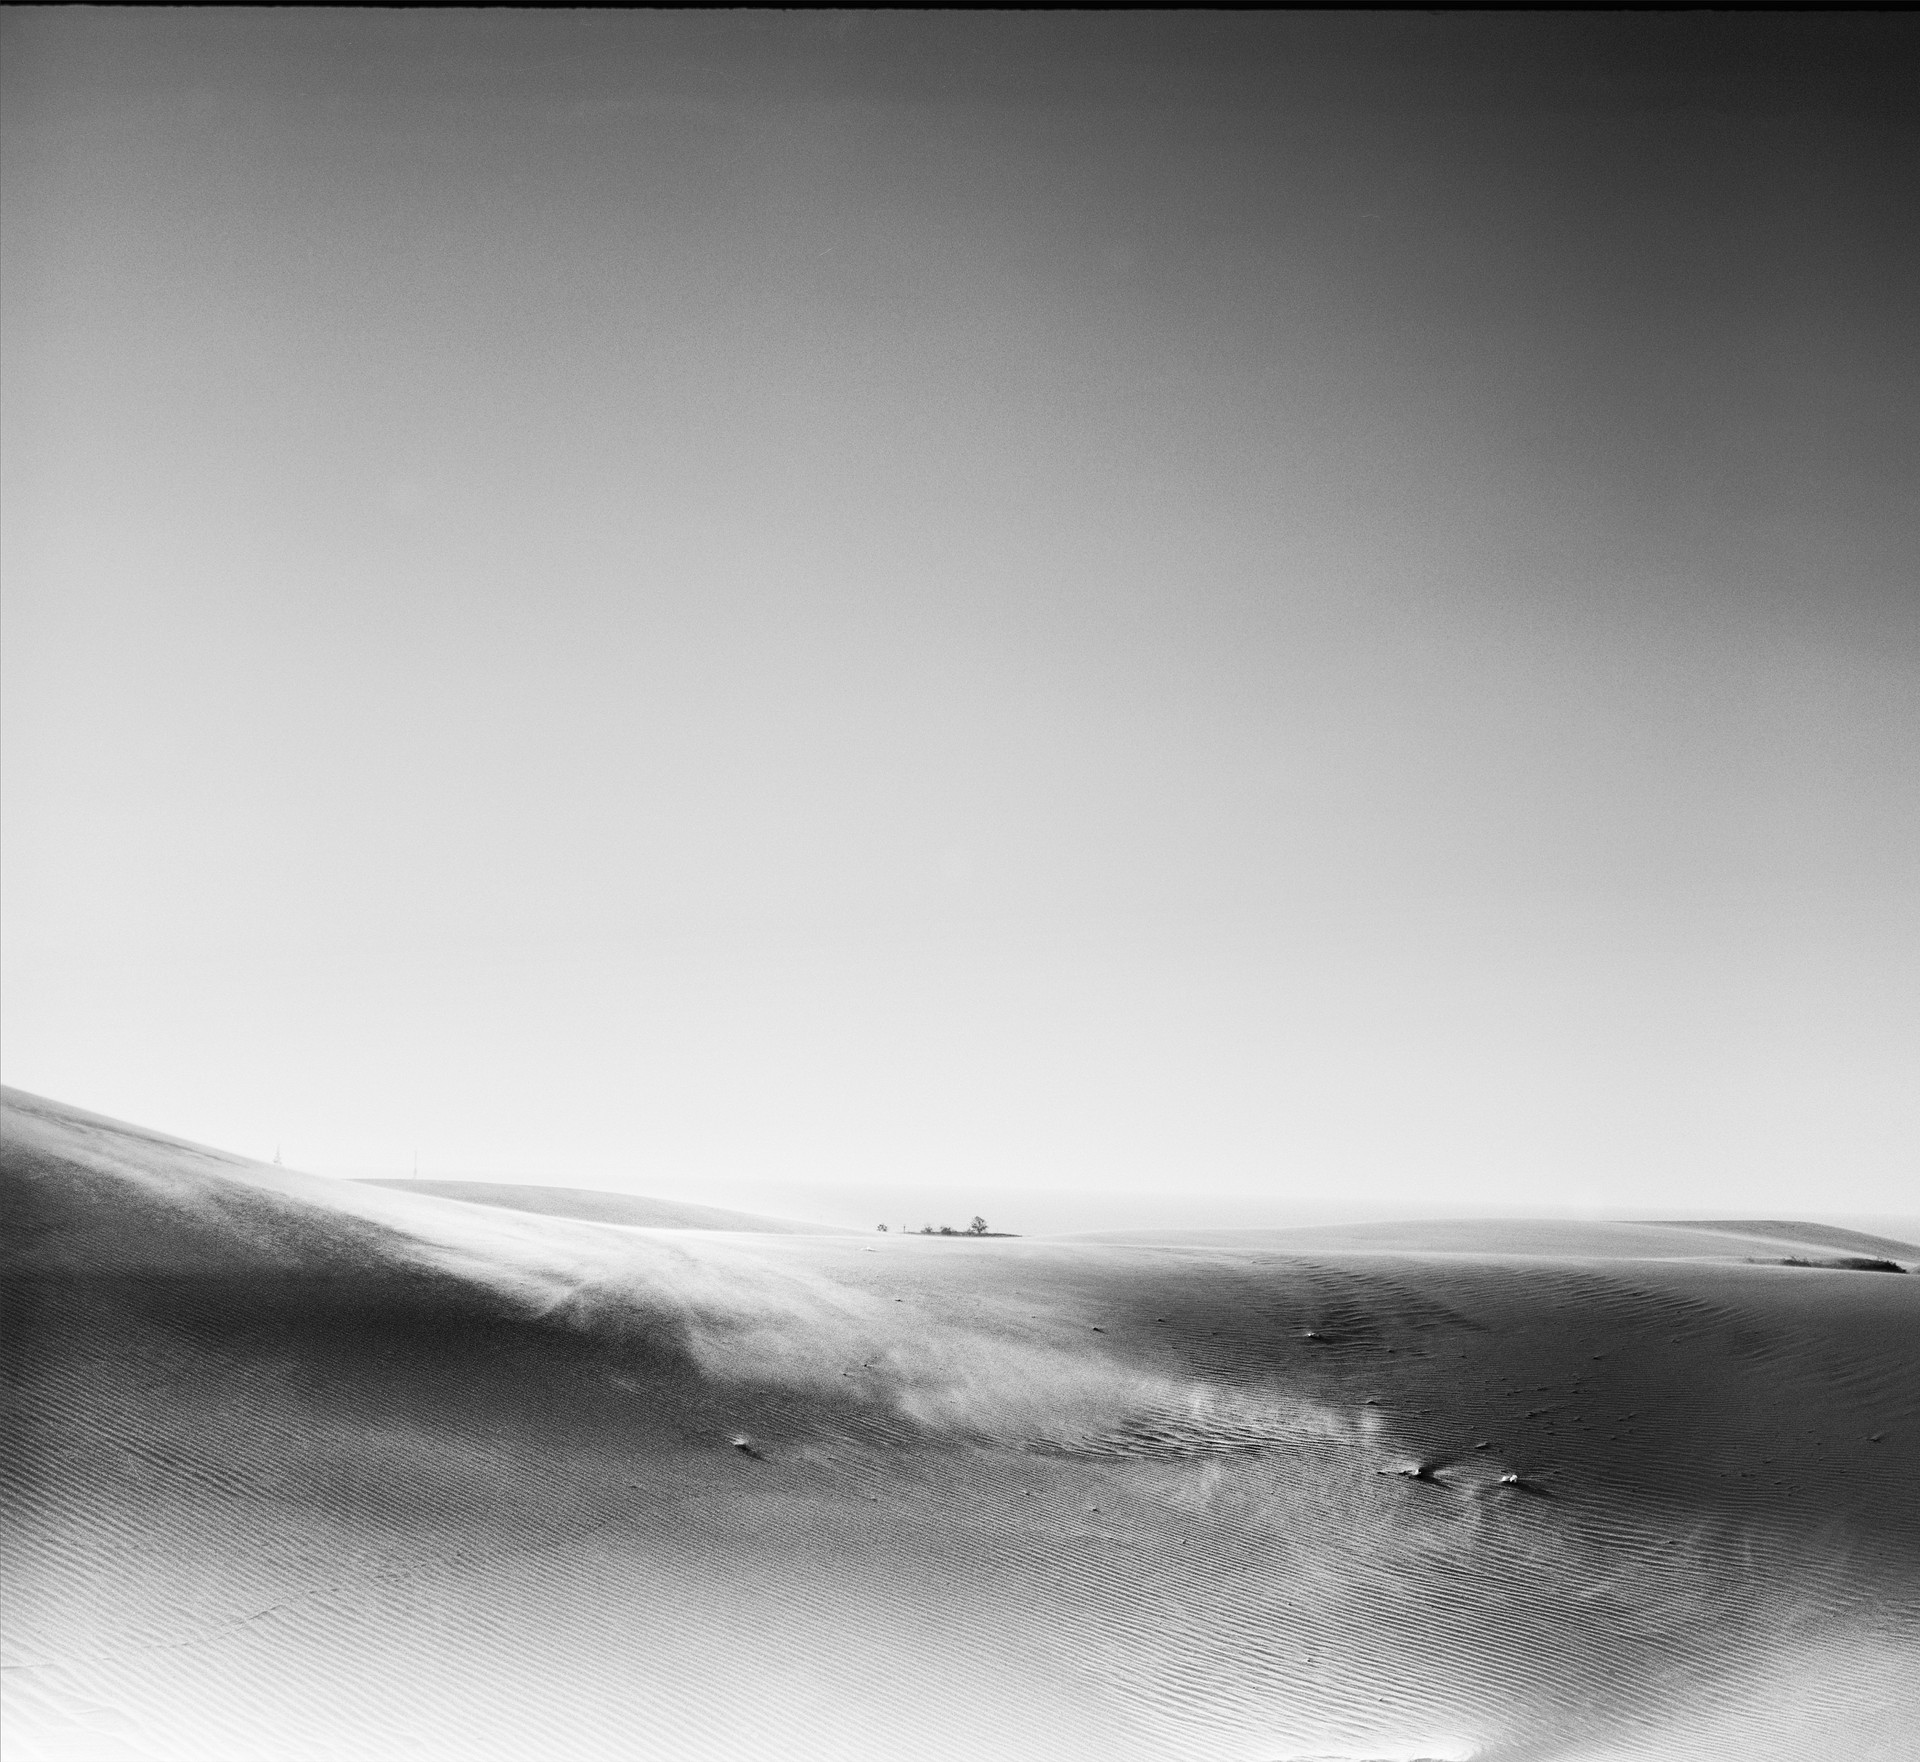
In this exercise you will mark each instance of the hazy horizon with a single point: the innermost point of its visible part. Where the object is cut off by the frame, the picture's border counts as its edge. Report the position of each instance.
(1312, 607)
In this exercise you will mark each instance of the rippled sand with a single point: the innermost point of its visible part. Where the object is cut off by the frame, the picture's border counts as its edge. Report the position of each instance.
(298, 1468)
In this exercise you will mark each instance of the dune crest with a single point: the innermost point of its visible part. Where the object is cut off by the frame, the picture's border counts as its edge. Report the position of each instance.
(589, 1205)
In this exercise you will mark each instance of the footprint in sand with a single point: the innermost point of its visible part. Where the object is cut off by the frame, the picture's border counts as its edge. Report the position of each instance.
(1417, 1471)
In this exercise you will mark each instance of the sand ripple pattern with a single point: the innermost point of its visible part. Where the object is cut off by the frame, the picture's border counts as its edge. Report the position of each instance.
(291, 1479)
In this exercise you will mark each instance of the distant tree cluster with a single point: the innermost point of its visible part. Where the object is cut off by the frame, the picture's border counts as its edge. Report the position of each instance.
(978, 1227)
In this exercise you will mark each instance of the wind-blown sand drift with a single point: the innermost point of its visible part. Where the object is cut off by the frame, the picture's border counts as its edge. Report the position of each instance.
(299, 1468)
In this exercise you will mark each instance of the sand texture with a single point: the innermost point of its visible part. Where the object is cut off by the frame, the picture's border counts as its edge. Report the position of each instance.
(609, 1208)
(299, 1468)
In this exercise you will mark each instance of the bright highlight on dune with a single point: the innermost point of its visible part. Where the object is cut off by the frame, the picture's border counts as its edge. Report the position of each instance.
(301, 1467)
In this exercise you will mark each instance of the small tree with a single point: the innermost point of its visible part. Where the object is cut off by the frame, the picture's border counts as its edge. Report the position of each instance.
(978, 1227)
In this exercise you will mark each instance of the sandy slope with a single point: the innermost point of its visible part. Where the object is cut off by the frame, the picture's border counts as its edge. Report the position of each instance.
(299, 1469)
(596, 1207)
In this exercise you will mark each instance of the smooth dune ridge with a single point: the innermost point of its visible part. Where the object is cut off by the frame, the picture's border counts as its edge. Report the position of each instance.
(299, 1468)
(606, 1208)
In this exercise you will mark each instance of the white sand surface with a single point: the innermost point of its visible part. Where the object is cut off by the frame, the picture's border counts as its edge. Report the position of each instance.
(598, 1207)
(304, 1468)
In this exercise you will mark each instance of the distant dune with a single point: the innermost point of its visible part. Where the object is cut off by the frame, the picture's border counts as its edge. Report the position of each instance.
(610, 1208)
(1778, 1230)
(300, 1468)
(1558, 1238)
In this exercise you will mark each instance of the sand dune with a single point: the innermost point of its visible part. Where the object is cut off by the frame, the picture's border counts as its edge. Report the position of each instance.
(299, 1468)
(608, 1208)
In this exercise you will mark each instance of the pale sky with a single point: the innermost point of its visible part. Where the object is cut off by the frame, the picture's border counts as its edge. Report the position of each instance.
(1316, 605)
